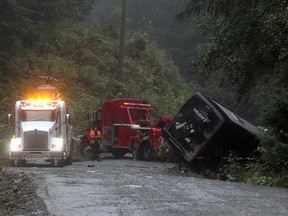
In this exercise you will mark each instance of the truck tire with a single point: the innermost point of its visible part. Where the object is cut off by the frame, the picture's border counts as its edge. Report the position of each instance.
(69, 160)
(58, 162)
(87, 152)
(17, 163)
(135, 151)
(13, 163)
(146, 150)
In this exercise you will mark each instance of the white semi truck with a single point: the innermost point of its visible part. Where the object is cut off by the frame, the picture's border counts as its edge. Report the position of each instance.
(42, 131)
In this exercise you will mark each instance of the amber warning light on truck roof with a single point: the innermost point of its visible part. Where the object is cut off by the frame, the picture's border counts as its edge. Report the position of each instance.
(39, 104)
(136, 104)
(43, 98)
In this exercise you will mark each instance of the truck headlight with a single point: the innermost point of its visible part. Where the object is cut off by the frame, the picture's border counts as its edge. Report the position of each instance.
(57, 144)
(15, 145)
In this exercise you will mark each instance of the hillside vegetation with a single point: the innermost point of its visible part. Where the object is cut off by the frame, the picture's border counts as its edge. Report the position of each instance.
(247, 44)
(83, 57)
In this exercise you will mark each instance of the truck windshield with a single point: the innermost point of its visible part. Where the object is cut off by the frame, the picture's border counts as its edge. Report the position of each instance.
(39, 115)
(140, 117)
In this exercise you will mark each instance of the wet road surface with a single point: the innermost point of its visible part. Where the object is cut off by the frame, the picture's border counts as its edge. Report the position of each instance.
(128, 187)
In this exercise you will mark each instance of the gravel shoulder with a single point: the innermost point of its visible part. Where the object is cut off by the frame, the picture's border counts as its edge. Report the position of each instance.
(18, 194)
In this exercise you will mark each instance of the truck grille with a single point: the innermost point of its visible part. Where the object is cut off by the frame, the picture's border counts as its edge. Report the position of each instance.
(35, 141)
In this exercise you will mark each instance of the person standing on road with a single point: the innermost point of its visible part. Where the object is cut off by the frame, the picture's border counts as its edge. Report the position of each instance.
(95, 140)
(85, 141)
(98, 138)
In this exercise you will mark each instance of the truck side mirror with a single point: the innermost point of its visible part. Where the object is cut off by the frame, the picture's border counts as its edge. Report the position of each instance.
(68, 119)
(9, 119)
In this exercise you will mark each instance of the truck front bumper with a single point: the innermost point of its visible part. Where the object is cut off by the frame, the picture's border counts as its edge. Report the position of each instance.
(43, 155)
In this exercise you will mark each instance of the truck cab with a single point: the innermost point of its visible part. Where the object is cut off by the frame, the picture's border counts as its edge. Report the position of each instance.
(42, 131)
(127, 127)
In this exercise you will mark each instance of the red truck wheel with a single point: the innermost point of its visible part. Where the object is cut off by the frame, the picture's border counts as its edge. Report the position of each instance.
(145, 149)
(135, 151)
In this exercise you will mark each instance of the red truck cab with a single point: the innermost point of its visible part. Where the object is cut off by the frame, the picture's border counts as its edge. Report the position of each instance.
(126, 126)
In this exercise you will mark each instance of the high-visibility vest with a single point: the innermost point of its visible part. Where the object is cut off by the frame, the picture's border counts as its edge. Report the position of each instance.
(92, 134)
(99, 134)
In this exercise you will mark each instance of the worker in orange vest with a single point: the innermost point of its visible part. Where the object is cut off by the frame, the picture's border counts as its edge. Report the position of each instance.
(95, 140)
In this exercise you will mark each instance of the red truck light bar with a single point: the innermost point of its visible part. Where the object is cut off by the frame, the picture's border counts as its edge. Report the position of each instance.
(136, 104)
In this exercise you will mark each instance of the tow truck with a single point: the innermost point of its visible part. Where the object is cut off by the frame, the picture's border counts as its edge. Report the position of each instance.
(42, 129)
(127, 127)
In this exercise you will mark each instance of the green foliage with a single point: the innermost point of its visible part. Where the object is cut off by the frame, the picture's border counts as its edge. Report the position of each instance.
(253, 171)
(21, 21)
(275, 112)
(136, 45)
(55, 10)
(83, 57)
(15, 16)
(254, 174)
(248, 44)
(234, 166)
(275, 152)
(15, 23)
(156, 19)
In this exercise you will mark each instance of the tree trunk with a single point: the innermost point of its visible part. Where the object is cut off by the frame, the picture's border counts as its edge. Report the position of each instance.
(122, 37)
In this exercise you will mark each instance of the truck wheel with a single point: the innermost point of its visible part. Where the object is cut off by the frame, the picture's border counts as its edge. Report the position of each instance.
(13, 163)
(82, 146)
(69, 159)
(23, 163)
(17, 162)
(135, 151)
(61, 162)
(57, 162)
(87, 152)
(146, 150)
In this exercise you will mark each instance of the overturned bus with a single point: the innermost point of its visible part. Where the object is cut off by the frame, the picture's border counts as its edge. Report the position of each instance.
(204, 129)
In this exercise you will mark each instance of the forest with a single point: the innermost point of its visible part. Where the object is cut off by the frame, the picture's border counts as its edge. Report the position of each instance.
(233, 51)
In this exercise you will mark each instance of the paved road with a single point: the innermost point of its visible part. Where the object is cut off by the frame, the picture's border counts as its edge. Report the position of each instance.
(127, 187)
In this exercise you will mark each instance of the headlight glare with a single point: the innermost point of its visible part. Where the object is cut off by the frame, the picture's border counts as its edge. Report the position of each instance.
(57, 144)
(15, 144)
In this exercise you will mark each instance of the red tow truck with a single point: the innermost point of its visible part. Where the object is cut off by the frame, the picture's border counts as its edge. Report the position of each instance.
(127, 127)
